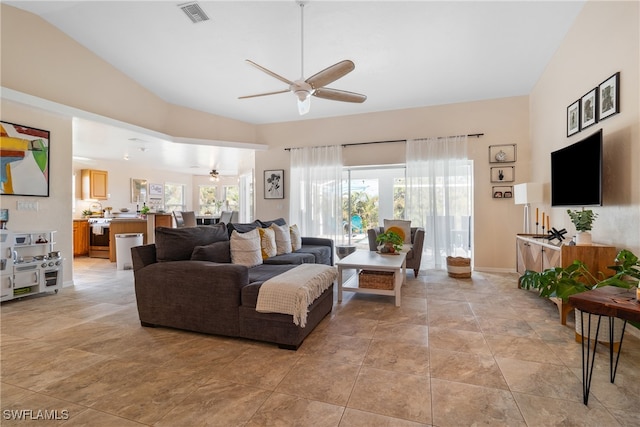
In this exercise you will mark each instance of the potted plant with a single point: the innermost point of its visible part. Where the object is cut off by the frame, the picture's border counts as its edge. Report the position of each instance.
(391, 242)
(583, 221)
(562, 282)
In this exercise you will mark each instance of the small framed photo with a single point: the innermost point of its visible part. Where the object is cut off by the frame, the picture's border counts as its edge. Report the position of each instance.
(156, 189)
(503, 174)
(502, 153)
(274, 184)
(502, 192)
(588, 109)
(609, 97)
(573, 118)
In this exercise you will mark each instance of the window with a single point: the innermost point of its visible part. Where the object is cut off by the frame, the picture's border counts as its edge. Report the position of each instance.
(207, 200)
(232, 197)
(369, 195)
(174, 197)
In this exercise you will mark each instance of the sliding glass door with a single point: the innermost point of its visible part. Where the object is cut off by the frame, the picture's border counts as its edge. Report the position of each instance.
(370, 195)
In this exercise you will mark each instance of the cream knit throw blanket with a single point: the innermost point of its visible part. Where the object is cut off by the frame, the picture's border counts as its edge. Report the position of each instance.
(293, 291)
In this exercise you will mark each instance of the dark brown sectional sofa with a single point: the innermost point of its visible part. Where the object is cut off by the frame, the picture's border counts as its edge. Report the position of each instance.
(186, 280)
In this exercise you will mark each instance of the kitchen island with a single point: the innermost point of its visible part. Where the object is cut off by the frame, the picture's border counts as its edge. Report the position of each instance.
(125, 225)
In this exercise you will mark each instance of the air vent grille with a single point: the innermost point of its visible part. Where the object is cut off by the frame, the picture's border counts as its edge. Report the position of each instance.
(194, 12)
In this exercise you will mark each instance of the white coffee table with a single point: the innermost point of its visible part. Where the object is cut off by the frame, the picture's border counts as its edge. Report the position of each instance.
(370, 260)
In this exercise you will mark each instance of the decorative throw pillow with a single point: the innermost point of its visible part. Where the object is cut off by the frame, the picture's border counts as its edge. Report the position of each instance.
(242, 227)
(296, 239)
(245, 248)
(399, 226)
(267, 242)
(283, 238)
(176, 244)
(278, 221)
(215, 252)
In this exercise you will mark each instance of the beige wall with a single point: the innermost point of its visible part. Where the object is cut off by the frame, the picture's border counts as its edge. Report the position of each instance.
(503, 121)
(54, 212)
(46, 63)
(604, 39)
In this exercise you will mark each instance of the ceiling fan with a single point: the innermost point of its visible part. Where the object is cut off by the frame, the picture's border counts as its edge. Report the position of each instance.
(314, 85)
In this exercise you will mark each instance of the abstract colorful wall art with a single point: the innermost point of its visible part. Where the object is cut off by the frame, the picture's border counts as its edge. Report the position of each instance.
(24, 160)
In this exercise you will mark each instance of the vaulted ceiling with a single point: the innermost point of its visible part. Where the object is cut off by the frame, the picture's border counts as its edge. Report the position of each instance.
(406, 53)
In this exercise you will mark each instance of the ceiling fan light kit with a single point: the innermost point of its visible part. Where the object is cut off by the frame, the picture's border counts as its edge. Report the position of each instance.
(314, 85)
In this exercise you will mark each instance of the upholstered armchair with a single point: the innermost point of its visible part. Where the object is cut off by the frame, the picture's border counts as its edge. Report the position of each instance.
(414, 256)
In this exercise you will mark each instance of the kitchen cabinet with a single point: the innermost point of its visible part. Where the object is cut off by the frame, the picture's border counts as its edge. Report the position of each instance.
(94, 184)
(80, 237)
(539, 254)
(121, 226)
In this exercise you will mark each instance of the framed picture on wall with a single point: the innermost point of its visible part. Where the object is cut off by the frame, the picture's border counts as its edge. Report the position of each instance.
(138, 191)
(588, 109)
(274, 184)
(573, 118)
(609, 97)
(25, 160)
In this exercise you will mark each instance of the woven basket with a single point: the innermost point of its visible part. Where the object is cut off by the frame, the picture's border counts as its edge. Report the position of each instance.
(459, 267)
(376, 279)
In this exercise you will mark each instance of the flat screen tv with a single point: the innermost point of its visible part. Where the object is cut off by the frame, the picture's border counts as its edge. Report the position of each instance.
(576, 173)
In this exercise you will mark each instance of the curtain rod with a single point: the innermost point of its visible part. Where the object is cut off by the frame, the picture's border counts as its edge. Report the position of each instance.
(477, 135)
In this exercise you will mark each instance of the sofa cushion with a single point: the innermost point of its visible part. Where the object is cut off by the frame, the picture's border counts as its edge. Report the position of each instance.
(177, 244)
(257, 276)
(245, 248)
(296, 239)
(267, 242)
(243, 227)
(283, 238)
(214, 252)
(322, 254)
(291, 258)
(277, 221)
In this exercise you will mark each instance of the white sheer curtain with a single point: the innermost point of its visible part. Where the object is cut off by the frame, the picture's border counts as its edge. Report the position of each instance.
(315, 197)
(439, 196)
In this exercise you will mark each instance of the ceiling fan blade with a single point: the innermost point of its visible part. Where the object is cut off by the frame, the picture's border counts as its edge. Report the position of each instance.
(331, 74)
(264, 94)
(271, 73)
(339, 95)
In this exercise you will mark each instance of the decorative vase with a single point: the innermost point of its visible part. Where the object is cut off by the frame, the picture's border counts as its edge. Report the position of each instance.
(583, 238)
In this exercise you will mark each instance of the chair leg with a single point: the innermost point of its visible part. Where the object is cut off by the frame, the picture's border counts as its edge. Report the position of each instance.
(415, 272)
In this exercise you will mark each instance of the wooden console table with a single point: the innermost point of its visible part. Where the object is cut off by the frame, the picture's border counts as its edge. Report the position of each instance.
(536, 253)
(611, 302)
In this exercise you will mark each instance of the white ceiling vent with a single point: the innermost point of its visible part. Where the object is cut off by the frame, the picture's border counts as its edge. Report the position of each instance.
(194, 12)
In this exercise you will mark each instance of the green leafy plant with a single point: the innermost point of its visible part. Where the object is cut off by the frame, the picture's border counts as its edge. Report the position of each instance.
(582, 219)
(627, 270)
(145, 210)
(390, 238)
(559, 282)
(87, 212)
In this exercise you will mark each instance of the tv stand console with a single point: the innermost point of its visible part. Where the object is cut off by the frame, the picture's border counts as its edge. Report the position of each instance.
(536, 253)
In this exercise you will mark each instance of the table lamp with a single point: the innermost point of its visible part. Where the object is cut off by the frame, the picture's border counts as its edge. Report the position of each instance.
(525, 194)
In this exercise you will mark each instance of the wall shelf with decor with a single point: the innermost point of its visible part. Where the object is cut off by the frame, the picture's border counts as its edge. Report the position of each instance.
(505, 153)
(502, 192)
(503, 174)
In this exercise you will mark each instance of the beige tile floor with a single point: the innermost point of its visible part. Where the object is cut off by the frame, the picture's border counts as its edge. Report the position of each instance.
(456, 353)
